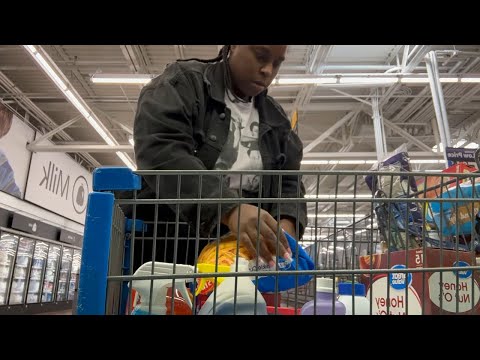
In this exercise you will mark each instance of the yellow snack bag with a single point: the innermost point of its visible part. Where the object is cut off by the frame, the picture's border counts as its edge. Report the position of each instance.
(227, 252)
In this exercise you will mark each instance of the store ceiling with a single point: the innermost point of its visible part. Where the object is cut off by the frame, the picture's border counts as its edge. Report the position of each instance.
(26, 88)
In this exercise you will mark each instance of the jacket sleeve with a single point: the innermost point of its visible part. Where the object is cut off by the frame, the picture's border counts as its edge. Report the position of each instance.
(163, 133)
(292, 186)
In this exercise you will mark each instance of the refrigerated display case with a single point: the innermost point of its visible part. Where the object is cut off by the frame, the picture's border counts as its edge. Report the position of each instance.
(77, 256)
(37, 272)
(39, 265)
(21, 271)
(8, 248)
(51, 273)
(64, 278)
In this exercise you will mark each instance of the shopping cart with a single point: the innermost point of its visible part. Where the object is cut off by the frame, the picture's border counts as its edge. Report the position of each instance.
(416, 277)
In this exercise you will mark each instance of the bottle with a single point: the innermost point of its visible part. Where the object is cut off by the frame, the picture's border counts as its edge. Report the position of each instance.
(326, 299)
(362, 304)
(162, 291)
(245, 299)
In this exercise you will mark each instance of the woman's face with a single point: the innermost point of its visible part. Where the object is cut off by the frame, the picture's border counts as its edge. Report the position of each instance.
(6, 117)
(253, 67)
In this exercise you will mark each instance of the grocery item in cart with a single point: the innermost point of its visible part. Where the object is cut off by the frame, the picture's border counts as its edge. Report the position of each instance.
(235, 295)
(355, 304)
(325, 302)
(406, 216)
(458, 216)
(227, 251)
(433, 186)
(391, 218)
(205, 285)
(162, 290)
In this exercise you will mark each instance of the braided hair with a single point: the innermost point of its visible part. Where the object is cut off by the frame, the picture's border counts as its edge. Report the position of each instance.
(223, 56)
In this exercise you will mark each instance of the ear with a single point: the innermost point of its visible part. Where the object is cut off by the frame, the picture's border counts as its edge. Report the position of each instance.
(233, 47)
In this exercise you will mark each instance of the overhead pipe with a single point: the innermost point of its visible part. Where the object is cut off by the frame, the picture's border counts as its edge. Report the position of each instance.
(438, 101)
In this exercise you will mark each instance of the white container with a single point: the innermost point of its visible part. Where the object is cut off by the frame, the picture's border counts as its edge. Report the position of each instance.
(159, 291)
(362, 304)
(245, 296)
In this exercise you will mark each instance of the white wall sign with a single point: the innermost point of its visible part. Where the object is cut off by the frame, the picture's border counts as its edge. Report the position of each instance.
(59, 184)
(14, 156)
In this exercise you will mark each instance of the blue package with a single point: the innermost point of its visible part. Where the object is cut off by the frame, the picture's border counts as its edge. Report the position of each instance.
(449, 224)
(267, 284)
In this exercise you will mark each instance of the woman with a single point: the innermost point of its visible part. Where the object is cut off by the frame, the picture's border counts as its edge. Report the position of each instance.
(202, 115)
(7, 176)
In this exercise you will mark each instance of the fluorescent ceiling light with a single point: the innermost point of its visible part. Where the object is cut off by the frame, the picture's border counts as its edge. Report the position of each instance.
(305, 80)
(328, 79)
(469, 80)
(350, 162)
(135, 79)
(130, 140)
(472, 145)
(368, 80)
(314, 162)
(327, 216)
(413, 80)
(31, 48)
(449, 80)
(460, 143)
(360, 231)
(337, 162)
(426, 161)
(76, 101)
(126, 160)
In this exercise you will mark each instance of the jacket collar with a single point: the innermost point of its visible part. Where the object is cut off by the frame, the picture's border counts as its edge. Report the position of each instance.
(214, 77)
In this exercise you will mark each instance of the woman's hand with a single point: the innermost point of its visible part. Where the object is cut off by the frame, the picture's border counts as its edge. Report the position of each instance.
(249, 229)
(289, 226)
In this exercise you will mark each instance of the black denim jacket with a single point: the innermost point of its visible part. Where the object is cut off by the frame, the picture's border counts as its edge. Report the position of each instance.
(182, 123)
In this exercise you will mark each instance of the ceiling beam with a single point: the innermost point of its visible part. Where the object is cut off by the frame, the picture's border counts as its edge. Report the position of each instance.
(416, 58)
(179, 53)
(132, 61)
(329, 131)
(76, 73)
(316, 57)
(34, 111)
(56, 130)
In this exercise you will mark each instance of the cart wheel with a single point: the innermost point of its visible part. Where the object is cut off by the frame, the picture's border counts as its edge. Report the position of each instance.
(477, 158)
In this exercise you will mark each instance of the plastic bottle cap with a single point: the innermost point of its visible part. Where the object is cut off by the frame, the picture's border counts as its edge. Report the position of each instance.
(347, 289)
(325, 285)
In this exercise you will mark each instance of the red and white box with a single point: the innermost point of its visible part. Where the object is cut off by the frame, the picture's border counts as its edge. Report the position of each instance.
(427, 293)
